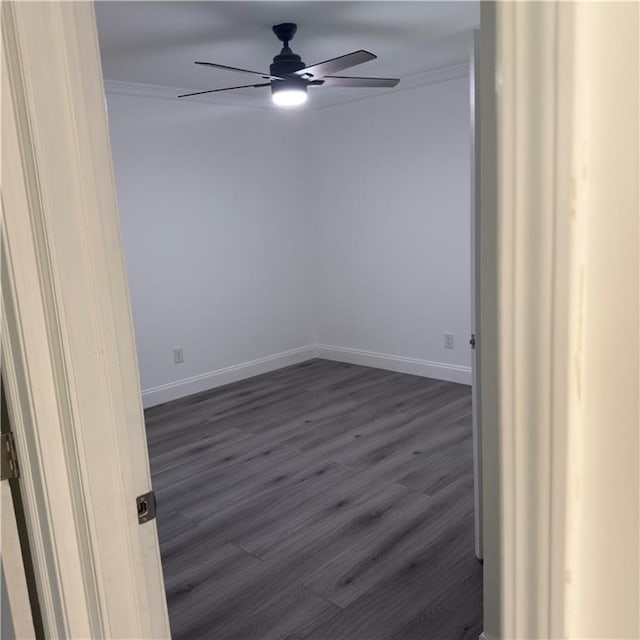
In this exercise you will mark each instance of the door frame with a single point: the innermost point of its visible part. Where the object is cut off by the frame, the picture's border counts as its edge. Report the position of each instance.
(69, 360)
(529, 267)
(557, 237)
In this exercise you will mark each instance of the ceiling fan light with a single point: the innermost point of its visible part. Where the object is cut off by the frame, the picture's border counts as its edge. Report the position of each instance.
(289, 97)
(289, 92)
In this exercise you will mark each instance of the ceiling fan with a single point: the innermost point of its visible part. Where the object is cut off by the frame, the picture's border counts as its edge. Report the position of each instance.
(289, 77)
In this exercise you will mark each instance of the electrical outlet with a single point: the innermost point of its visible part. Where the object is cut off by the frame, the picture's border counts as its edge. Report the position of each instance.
(448, 340)
(178, 356)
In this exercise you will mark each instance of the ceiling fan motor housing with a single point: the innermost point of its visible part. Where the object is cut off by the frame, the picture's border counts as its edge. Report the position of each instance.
(286, 62)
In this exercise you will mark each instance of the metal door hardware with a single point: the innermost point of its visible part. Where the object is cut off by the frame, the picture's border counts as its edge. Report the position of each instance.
(8, 458)
(146, 506)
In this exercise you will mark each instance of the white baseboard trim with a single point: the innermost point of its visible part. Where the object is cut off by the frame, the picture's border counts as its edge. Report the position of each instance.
(415, 366)
(219, 377)
(233, 373)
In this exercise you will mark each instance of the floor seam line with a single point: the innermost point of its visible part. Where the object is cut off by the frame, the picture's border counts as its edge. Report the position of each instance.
(253, 555)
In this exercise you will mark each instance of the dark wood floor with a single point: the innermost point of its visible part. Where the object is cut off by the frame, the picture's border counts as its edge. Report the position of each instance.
(323, 501)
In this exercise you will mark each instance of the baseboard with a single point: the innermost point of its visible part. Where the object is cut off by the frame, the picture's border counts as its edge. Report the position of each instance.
(415, 366)
(485, 636)
(219, 377)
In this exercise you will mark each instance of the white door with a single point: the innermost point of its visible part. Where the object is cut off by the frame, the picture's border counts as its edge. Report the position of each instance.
(69, 361)
(475, 298)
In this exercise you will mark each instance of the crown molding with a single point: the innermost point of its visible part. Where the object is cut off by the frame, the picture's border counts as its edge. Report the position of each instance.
(434, 76)
(161, 92)
(415, 81)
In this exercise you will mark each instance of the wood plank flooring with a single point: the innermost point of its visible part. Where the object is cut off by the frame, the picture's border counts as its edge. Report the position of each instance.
(324, 501)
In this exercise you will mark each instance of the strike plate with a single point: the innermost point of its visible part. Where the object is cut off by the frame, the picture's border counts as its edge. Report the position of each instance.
(146, 506)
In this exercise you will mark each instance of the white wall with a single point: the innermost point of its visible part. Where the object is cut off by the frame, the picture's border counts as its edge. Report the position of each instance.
(249, 234)
(215, 243)
(391, 219)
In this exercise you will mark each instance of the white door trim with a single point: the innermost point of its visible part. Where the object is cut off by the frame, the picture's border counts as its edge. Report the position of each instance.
(560, 222)
(538, 285)
(528, 324)
(69, 358)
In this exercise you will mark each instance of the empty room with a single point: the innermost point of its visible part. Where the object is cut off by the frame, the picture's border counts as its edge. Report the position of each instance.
(298, 244)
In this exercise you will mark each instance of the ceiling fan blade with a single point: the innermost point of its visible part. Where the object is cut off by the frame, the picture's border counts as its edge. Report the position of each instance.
(336, 64)
(242, 86)
(343, 81)
(223, 66)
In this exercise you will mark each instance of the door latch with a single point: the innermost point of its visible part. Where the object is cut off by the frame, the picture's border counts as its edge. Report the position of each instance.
(472, 341)
(146, 506)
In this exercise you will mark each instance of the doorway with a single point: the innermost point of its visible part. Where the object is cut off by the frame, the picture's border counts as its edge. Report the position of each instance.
(131, 414)
(347, 273)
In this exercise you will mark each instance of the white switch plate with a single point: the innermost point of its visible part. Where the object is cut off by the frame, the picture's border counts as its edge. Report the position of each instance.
(178, 356)
(448, 340)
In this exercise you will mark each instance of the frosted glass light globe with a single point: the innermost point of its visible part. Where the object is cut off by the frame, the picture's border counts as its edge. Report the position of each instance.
(289, 97)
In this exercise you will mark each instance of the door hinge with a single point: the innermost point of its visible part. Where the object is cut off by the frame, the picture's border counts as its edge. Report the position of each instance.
(472, 341)
(146, 507)
(8, 458)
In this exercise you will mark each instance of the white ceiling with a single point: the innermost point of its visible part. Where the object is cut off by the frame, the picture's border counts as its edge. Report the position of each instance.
(149, 47)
